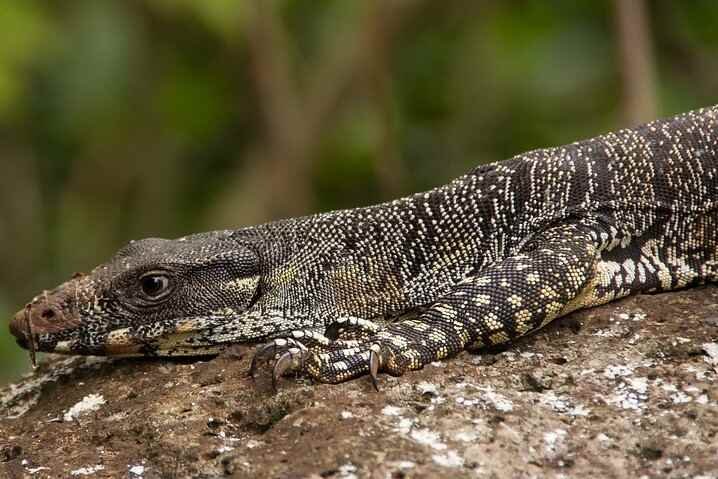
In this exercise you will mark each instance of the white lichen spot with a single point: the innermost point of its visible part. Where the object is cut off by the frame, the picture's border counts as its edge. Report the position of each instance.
(640, 384)
(87, 471)
(626, 400)
(91, 402)
(391, 411)
(498, 401)
(466, 402)
(606, 333)
(630, 394)
(701, 374)
(529, 355)
(449, 459)
(428, 438)
(553, 439)
(613, 372)
(563, 405)
(711, 350)
(35, 470)
(348, 471)
(466, 436)
(405, 424)
(137, 470)
(579, 411)
(403, 464)
(679, 397)
(427, 388)
(509, 355)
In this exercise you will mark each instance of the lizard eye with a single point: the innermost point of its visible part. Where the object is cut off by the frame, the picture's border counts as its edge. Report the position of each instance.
(155, 285)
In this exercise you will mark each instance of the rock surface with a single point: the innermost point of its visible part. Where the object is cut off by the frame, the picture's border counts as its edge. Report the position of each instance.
(625, 390)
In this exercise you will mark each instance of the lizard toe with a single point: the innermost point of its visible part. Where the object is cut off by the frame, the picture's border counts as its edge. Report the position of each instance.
(351, 328)
(339, 365)
(397, 363)
(272, 351)
(344, 364)
(289, 353)
(290, 361)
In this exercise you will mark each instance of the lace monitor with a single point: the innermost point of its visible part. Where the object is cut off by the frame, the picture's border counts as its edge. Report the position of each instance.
(489, 257)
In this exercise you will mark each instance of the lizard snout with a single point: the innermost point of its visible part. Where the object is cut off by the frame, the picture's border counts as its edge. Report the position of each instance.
(18, 328)
(44, 315)
(23, 324)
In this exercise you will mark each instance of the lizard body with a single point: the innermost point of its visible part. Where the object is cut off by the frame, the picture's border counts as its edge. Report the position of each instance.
(489, 257)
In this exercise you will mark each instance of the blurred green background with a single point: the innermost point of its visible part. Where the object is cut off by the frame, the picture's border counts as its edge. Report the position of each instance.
(122, 120)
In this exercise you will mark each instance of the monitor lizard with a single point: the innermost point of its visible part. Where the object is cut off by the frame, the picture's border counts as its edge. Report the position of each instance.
(480, 261)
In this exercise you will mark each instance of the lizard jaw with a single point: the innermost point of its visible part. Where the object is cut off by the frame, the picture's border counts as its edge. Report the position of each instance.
(171, 346)
(120, 343)
(182, 337)
(186, 337)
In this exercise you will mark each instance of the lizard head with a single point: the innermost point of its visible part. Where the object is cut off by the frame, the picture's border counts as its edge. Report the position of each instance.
(155, 296)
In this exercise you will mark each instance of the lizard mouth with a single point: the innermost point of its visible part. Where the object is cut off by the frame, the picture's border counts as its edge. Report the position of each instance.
(21, 328)
(50, 322)
(34, 332)
(184, 337)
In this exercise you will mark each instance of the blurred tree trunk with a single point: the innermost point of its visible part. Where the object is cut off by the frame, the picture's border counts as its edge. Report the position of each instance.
(276, 179)
(637, 61)
(388, 165)
(25, 235)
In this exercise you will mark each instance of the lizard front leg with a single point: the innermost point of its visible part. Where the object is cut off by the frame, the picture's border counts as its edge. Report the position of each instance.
(500, 303)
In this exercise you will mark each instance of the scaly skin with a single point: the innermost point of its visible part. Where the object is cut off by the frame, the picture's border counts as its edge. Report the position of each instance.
(487, 258)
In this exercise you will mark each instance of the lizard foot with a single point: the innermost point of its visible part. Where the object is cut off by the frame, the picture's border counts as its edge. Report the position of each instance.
(289, 352)
(329, 358)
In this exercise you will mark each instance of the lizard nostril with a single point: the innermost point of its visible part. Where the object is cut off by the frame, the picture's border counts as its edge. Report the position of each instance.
(47, 313)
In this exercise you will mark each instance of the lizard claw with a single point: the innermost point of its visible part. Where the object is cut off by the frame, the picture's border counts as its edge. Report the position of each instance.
(288, 361)
(374, 363)
(260, 354)
(270, 350)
